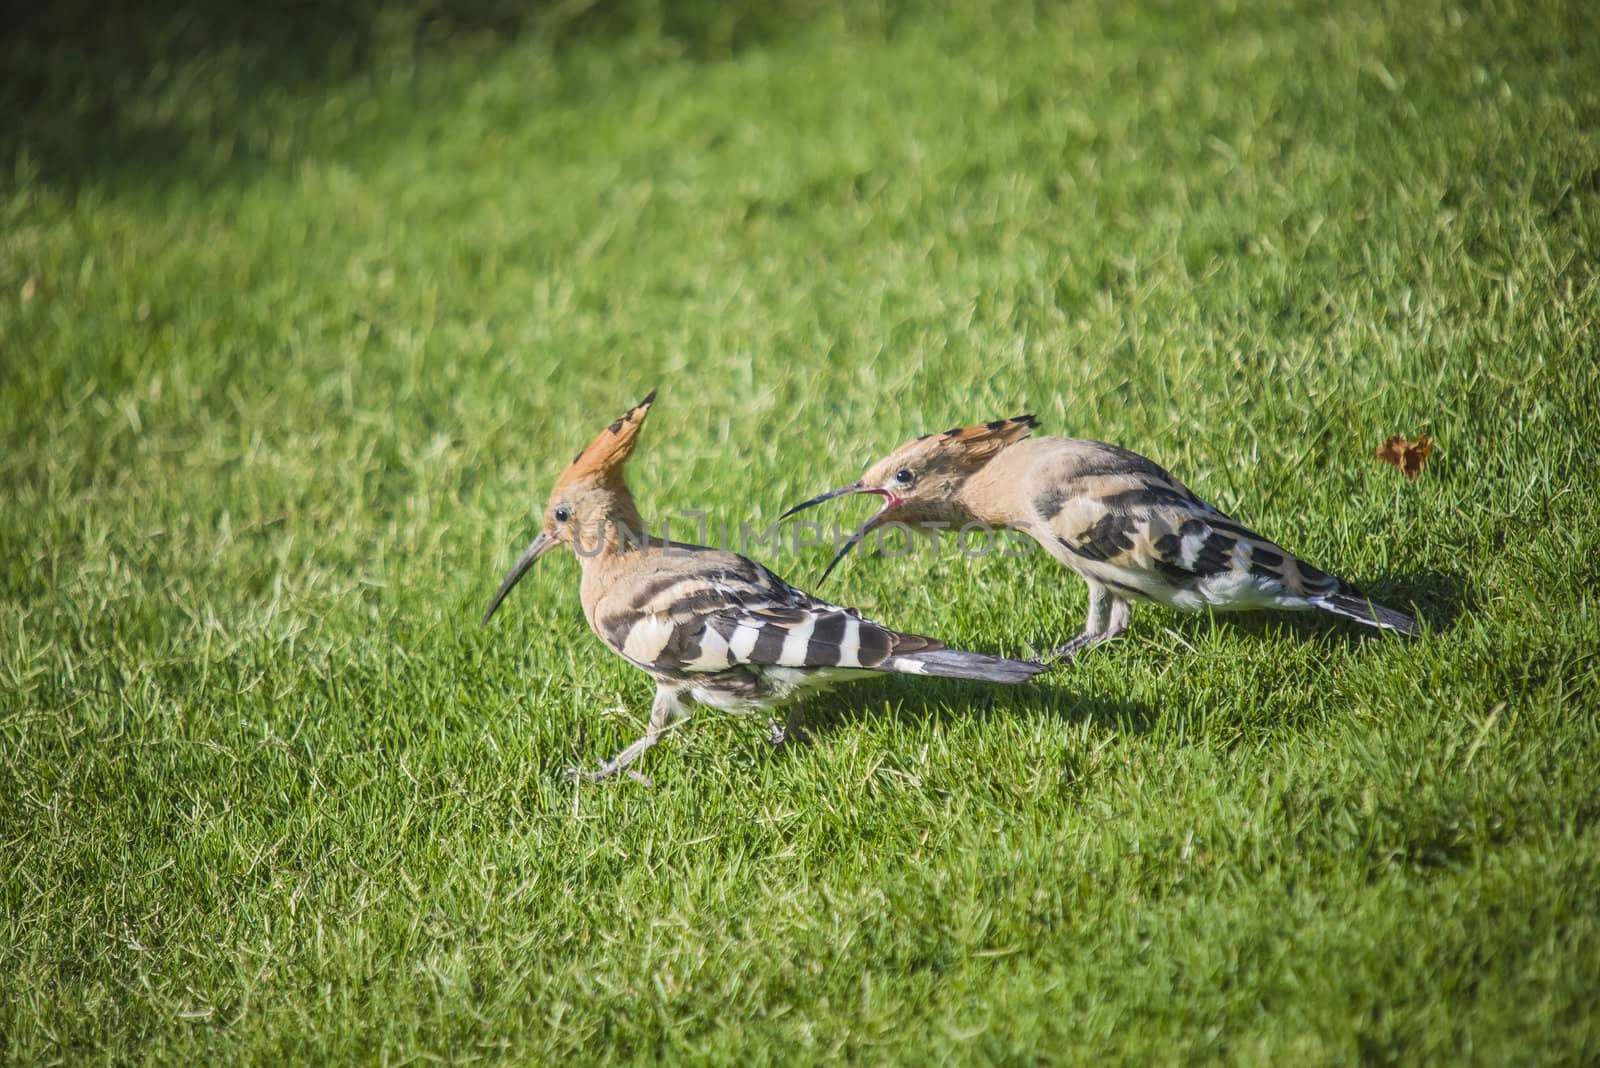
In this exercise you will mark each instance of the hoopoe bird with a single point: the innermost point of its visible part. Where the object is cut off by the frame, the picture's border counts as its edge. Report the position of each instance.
(711, 627)
(1125, 525)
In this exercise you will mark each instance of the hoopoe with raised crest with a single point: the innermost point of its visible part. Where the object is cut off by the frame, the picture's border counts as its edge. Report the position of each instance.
(709, 626)
(1126, 526)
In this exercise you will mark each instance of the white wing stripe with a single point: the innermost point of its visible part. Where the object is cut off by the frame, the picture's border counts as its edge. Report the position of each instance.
(713, 651)
(1189, 548)
(647, 637)
(744, 642)
(793, 653)
(850, 644)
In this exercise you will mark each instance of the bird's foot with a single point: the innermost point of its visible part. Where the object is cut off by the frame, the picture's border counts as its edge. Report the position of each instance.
(1067, 652)
(606, 770)
(780, 735)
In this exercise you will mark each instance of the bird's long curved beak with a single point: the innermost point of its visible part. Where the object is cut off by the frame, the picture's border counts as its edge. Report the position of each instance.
(866, 528)
(541, 545)
(854, 487)
(878, 517)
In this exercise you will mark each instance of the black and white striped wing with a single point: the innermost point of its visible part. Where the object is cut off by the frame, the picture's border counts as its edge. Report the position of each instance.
(707, 621)
(1198, 556)
(820, 636)
(1165, 529)
(1138, 531)
(1194, 548)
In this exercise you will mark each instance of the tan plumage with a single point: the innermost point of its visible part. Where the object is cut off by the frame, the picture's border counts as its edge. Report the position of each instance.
(711, 627)
(1127, 526)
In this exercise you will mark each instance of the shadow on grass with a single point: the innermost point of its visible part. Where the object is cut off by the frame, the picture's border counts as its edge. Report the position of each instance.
(1438, 598)
(148, 92)
(921, 702)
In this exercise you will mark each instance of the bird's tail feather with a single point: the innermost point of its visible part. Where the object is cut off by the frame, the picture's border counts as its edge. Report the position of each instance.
(1352, 604)
(957, 664)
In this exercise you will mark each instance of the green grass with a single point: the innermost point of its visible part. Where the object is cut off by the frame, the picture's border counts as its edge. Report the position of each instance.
(318, 311)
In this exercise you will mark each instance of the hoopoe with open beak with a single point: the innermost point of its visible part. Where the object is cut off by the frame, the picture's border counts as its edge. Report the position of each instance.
(1131, 530)
(712, 627)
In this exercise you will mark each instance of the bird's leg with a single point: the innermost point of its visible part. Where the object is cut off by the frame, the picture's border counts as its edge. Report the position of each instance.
(791, 730)
(1107, 618)
(667, 710)
(1121, 610)
(1094, 623)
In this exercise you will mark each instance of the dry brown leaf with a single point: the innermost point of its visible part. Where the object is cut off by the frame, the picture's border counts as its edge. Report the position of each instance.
(30, 289)
(1408, 456)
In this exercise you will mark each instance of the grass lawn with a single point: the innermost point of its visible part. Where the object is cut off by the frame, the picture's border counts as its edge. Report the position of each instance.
(302, 313)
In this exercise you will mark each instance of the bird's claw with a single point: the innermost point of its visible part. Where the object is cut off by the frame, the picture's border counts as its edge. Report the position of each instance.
(606, 770)
(1067, 652)
(780, 735)
(1051, 661)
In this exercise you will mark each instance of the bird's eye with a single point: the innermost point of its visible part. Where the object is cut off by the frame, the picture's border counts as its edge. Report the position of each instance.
(562, 515)
(903, 477)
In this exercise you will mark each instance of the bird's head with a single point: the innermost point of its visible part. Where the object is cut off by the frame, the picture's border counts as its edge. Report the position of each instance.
(921, 482)
(590, 508)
